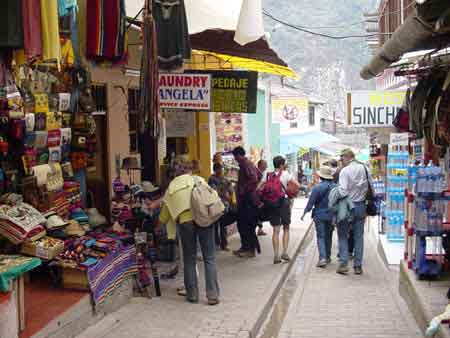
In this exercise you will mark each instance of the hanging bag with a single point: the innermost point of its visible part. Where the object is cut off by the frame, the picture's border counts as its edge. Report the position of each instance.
(371, 205)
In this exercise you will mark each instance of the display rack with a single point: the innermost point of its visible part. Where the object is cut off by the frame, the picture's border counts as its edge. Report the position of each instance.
(397, 183)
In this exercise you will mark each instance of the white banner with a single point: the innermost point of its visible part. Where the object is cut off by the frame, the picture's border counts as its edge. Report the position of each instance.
(373, 108)
(399, 139)
(185, 91)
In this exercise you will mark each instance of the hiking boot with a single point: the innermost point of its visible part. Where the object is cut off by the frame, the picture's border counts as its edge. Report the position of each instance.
(322, 263)
(285, 257)
(247, 254)
(358, 270)
(213, 301)
(277, 260)
(342, 269)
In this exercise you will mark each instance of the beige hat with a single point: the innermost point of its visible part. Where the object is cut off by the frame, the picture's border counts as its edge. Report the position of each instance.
(347, 152)
(326, 173)
(149, 187)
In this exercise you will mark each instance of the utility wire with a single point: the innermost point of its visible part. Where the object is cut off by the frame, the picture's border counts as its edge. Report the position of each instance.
(343, 26)
(334, 37)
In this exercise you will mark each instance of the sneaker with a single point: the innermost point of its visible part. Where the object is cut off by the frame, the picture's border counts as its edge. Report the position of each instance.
(342, 269)
(285, 257)
(358, 270)
(213, 301)
(322, 263)
(328, 260)
(277, 260)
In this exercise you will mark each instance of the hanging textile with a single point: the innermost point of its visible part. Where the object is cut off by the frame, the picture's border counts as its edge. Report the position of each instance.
(31, 11)
(11, 29)
(51, 49)
(65, 7)
(106, 22)
(172, 30)
(149, 100)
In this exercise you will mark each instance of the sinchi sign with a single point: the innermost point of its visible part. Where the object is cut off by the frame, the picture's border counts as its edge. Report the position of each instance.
(373, 108)
(185, 91)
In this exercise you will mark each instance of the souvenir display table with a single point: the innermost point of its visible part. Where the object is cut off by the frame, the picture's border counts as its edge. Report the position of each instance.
(12, 270)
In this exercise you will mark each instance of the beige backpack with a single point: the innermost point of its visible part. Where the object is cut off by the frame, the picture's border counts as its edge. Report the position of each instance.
(206, 205)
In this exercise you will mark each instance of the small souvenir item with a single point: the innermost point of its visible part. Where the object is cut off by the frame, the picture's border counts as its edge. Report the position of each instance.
(54, 138)
(16, 114)
(41, 103)
(55, 154)
(4, 146)
(17, 129)
(64, 101)
(53, 102)
(30, 140)
(29, 122)
(40, 121)
(66, 136)
(41, 139)
(54, 120)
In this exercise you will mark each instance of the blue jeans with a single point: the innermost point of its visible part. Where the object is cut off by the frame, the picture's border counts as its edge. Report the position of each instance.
(324, 231)
(189, 232)
(357, 225)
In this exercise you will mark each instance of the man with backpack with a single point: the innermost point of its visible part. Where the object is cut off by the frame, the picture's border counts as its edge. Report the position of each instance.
(248, 204)
(277, 206)
(322, 215)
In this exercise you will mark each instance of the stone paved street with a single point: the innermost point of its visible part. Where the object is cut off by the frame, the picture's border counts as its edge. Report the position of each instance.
(326, 304)
(247, 287)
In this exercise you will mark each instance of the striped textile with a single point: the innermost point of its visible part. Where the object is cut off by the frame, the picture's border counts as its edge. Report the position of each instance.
(106, 26)
(111, 271)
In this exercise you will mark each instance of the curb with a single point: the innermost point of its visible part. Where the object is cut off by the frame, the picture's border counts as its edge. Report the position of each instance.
(415, 302)
(255, 322)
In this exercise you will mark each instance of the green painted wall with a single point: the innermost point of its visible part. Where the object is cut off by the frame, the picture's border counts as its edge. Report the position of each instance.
(255, 124)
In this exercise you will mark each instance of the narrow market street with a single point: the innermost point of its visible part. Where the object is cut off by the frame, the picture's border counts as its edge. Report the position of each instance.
(318, 302)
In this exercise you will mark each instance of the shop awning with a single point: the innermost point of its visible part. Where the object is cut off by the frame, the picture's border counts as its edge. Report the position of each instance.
(331, 148)
(209, 60)
(291, 143)
(417, 33)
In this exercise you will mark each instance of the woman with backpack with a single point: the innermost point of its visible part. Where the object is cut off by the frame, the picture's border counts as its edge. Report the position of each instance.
(322, 215)
(277, 205)
(178, 207)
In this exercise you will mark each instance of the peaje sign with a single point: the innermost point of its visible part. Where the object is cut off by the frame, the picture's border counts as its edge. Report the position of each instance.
(185, 91)
(375, 108)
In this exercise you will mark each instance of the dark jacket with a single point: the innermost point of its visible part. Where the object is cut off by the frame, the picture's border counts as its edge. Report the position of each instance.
(319, 201)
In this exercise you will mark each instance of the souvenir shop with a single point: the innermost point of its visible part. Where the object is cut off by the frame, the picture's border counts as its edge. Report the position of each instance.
(59, 243)
(411, 173)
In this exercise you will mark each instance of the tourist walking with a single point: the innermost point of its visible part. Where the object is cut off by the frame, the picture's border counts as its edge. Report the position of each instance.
(248, 204)
(322, 215)
(277, 206)
(177, 208)
(354, 180)
(262, 167)
(224, 188)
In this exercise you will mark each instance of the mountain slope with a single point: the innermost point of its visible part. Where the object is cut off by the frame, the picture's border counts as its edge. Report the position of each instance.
(327, 67)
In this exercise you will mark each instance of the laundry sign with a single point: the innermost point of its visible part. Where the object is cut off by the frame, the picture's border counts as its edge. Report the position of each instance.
(375, 108)
(185, 91)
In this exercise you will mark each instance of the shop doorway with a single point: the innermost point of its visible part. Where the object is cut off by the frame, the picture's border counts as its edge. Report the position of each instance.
(98, 171)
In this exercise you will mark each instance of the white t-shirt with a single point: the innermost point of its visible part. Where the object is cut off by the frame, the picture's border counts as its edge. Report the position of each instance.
(285, 178)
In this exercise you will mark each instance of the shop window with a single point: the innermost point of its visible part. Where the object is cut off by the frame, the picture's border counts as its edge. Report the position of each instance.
(99, 95)
(133, 120)
(312, 116)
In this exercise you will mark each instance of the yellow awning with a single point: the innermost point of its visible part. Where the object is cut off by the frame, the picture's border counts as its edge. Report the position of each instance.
(202, 60)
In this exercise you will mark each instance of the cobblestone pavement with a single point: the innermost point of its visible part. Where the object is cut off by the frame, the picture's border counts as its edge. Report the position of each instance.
(326, 304)
(246, 285)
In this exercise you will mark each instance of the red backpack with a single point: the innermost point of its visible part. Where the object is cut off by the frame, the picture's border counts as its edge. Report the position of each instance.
(272, 191)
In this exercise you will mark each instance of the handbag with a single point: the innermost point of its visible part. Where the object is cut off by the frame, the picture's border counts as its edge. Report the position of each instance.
(371, 206)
